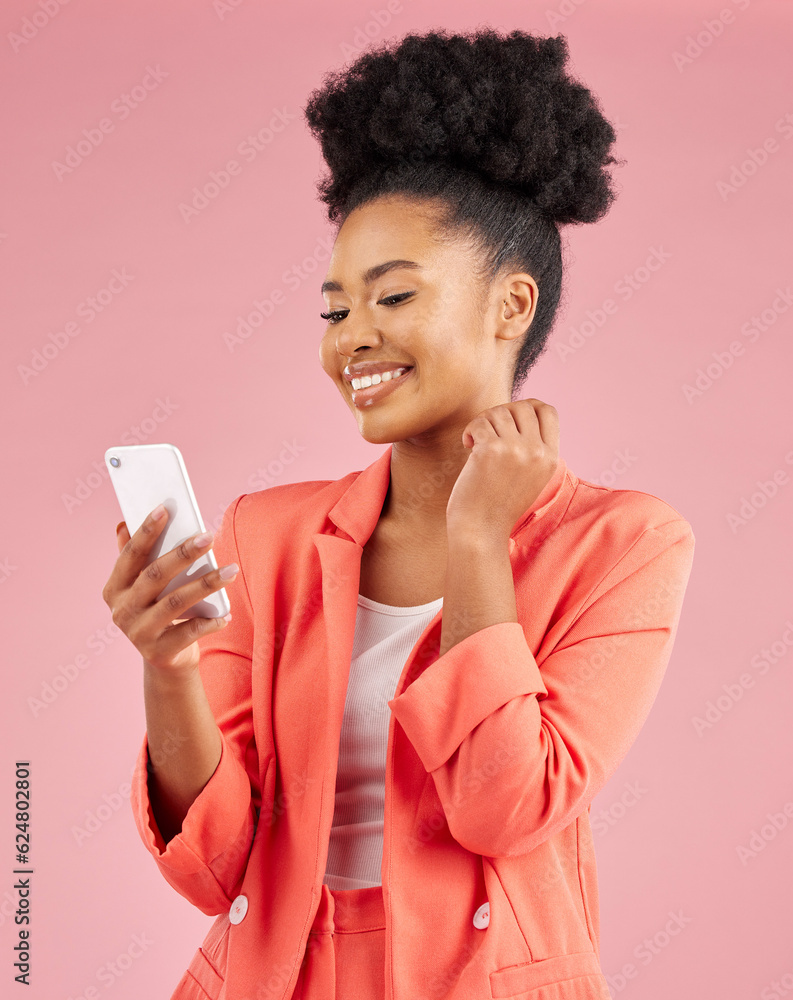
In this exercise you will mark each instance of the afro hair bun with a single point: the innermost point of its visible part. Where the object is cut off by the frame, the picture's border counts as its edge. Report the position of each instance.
(501, 106)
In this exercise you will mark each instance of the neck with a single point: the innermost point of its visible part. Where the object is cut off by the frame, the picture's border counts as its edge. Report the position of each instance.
(422, 478)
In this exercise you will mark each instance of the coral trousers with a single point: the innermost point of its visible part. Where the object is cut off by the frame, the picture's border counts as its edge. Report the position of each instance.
(345, 951)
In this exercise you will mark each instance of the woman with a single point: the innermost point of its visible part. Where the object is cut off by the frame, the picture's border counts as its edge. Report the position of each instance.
(377, 773)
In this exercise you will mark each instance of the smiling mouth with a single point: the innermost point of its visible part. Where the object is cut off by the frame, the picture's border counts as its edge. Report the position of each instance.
(374, 393)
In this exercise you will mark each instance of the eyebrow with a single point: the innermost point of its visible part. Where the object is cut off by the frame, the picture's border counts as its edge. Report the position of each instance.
(372, 274)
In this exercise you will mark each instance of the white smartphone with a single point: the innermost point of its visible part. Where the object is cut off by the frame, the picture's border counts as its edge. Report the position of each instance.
(145, 475)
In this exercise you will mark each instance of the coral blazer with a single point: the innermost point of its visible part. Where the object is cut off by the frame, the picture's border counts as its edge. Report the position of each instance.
(495, 749)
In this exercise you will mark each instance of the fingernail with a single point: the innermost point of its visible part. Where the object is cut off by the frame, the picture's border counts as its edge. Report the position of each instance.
(228, 571)
(202, 539)
(158, 512)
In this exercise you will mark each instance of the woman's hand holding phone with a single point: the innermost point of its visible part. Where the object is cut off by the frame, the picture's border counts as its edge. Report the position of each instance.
(133, 586)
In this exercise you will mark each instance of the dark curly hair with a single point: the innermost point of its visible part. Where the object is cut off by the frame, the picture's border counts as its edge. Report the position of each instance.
(490, 125)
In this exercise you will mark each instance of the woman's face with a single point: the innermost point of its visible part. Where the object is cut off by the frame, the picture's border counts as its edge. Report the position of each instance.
(459, 339)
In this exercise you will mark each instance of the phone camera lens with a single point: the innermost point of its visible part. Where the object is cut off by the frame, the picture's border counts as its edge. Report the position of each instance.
(115, 462)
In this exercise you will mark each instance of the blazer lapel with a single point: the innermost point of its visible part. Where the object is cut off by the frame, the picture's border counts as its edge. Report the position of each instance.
(355, 516)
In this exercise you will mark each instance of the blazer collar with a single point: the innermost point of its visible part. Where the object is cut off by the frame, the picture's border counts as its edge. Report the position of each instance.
(357, 511)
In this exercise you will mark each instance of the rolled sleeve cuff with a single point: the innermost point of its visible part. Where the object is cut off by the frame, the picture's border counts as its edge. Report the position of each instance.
(212, 823)
(472, 679)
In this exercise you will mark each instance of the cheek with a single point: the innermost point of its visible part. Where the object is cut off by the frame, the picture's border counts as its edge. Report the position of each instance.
(443, 347)
(325, 354)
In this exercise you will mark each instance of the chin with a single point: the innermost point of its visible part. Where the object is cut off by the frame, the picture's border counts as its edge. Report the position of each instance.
(385, 436)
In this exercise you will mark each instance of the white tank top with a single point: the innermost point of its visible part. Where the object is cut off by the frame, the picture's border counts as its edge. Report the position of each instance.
(384, 637)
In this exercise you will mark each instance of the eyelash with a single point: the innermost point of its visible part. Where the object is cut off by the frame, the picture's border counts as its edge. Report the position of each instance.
(395, 300)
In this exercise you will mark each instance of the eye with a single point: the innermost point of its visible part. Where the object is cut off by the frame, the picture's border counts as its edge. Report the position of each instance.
(393, 299)
(336, 315)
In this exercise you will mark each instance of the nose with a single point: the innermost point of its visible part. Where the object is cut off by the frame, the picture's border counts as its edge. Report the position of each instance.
(356, 331)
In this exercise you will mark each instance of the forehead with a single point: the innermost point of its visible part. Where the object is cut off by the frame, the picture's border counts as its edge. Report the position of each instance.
(389, 228)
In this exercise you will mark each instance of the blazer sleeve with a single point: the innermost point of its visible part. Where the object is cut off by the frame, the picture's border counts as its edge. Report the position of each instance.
(519, 748)
(206, 861)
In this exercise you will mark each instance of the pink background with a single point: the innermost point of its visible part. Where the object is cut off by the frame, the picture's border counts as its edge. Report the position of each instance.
(672, 846)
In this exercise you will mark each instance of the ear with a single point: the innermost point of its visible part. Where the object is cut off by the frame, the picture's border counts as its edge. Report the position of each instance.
(518, 301)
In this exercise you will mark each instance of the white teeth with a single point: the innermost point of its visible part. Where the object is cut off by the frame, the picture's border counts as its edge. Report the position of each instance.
(366, 380)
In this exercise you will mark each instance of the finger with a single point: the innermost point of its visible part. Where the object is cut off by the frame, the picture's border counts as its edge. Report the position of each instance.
(514, 418)
(479, 429)
(548, 418)
(134, 551)
(526, 417)
(180, 635)
(111, 588)
(156, 575)
(172, 606)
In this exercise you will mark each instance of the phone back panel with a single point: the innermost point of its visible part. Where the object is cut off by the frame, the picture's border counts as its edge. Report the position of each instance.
(147, 475)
